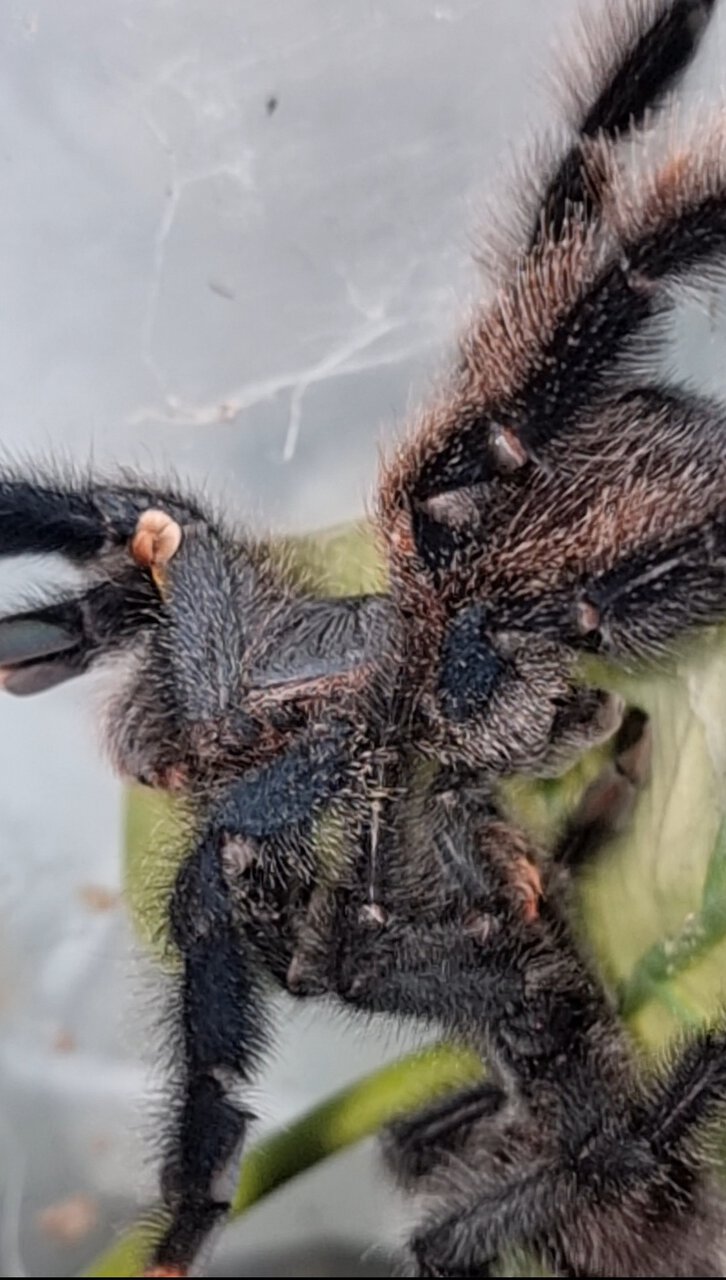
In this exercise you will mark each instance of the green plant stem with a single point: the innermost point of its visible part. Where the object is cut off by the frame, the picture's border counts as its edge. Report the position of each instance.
(339, 1122)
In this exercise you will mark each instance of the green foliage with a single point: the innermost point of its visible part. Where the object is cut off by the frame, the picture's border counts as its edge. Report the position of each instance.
(653, 908)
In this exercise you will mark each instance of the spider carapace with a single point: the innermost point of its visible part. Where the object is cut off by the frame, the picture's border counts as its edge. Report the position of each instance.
(555, 497)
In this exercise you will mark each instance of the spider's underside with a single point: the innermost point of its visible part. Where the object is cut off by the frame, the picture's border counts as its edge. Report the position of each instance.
(554, 499)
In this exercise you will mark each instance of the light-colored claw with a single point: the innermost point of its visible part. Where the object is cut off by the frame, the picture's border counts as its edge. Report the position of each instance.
(528, 885)
(478, 926)
(373, 915)
(588, 617)
(156, 540)
(511, 453)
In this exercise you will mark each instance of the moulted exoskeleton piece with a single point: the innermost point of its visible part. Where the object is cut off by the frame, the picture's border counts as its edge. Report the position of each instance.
(554, 498)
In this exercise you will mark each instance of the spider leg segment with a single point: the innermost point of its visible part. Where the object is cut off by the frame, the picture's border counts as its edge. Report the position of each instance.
(635, 57)
(221, 1034)
(42, 647)
(624, 1202)
(220, 1011)
(416, 1144)
(93, 526)
(589, 716)
(79, 519)
(599, 270)
(574, 1154)
(608, 802)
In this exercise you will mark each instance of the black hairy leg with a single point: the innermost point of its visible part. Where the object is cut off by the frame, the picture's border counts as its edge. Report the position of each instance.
(78, 518)
(442, 1132)
(221, 1032)
(416, 1144)
(624, 1197)
(103, 529)
(338, 758)
(42, 647)
(634, 62)
(229, 932)
(573, 1151)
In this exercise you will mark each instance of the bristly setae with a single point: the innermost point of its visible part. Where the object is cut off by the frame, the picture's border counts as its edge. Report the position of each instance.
(554, 498)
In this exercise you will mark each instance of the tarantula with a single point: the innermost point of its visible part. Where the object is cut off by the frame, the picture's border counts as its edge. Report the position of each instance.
(554, 499)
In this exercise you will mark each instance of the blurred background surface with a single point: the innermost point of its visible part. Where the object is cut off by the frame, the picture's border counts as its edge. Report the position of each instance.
(235, 238)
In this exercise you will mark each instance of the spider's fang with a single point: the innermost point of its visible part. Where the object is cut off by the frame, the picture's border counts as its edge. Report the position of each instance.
(155, 542)
(510, 452)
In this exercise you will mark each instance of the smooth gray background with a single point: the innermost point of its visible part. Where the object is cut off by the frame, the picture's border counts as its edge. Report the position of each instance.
(189, 281)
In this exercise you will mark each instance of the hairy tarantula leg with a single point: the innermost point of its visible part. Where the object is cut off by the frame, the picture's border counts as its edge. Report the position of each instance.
(79, 519)
(414, 1145)
(645, 1146)
(43, 647)
(669, 227)
(222, 1033)
(650, 48)
(608, 802)
(687, 1095)
(668, 585)
(552, 340)
(221, 1018)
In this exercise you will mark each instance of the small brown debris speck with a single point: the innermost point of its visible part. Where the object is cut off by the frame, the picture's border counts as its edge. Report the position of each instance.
(588, 617)
(97, 898)
(64, 1042)
(69, 1221)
